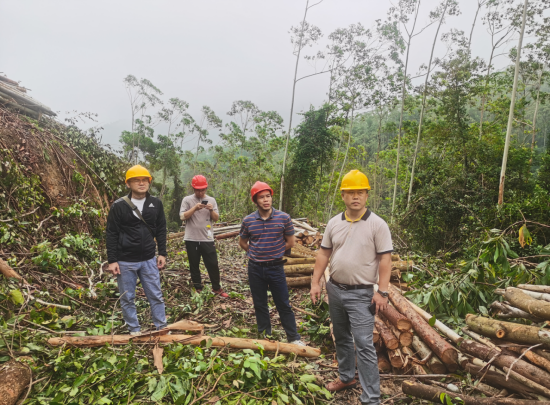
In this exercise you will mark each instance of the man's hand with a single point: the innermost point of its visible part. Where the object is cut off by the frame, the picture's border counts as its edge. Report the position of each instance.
(199, 206)
(113, 268)
(315, 292)
(161, 262)
(209, 206)
(381, 302)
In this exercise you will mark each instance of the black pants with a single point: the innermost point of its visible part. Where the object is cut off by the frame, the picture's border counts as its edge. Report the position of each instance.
(206, 250)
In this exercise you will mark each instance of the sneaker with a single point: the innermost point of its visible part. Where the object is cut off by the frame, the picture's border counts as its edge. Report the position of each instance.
(220, 293)
(337, 385)
(298, 342)
(135, 333)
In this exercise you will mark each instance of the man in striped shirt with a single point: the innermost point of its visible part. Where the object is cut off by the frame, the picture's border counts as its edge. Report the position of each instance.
(265, 235)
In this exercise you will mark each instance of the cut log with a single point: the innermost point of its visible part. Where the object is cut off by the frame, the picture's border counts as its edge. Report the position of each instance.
(306, 269)
(518, 333)
(434, 394)
(447, 331)
(534, 295)
(187, 325)
(423, 352)
(299, 261)
(402, 265)
(384, 365)
(300, 281)
(508, 312)
(219, 230)
(502, 360)
(542, 353)
(8, 271)
(497, 379)
(375, 335)
(396, 318)
(304, 226)
(396, 358)
(532, 356)
(535, 288)
(395, 274)
(527, 382)
(390, 341)
(232, 342)
(227, 235)
(523, 301)
(14, 378)
(404, 337)
(415, 368)
(395, 257)
(445, 351)
(173, 236)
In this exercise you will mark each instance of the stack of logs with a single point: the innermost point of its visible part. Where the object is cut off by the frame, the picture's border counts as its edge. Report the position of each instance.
(299, 267)
(511, 359)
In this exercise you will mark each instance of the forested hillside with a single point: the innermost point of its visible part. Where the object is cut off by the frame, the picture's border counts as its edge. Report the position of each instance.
(457, 152)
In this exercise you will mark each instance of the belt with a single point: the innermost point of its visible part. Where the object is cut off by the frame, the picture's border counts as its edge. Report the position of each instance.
(349, 287)
(278, 261)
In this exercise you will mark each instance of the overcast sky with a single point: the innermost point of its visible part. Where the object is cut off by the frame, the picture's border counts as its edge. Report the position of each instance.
(74, 55)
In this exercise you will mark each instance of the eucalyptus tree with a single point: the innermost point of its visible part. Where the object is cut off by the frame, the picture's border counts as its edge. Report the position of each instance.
(301, 36)
(480, 4)
(512, 106)
(142, 94)
(209, 120)
(246, 112)
(355, 77)
(404, 14)
(446, 7)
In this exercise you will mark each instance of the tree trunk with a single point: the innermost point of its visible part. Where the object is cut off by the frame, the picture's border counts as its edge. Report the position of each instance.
(448, 332)
(389, 339)
(415, 368)
(538, 308)
(291, 109)
(14, 378)
(433, 394)
(506, 360)
(300, 281)
(519, 333)
(511, 113)
(529, 383)
(446, 352)
(404, 337)
(509, 312)
(396, 318)
(535, 358)
(535, 118)
(497, 380)
(299, 261)
(8, 271)
(433, 363)
(402, 265)
(396, 358)
(535, 288)
(534, 295)
(384, 365)
(242, 343)
(294, 269)
(424, 103)
(226, 235)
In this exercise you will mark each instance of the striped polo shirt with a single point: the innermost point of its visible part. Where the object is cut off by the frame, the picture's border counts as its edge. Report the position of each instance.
(266, 237)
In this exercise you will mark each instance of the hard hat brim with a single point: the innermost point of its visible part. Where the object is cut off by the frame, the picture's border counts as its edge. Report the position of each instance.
(355, 188)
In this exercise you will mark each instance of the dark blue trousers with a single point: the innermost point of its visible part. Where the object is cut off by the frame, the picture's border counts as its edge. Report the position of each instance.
(261, 278)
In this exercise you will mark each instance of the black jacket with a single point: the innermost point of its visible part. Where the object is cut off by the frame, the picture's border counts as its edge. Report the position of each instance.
(128, 239)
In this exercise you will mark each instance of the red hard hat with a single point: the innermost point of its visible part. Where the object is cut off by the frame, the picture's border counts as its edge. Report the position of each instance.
(199, 182)
(259, 187)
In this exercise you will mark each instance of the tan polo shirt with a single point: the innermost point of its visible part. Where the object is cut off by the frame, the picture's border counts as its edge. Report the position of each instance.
(356, 246)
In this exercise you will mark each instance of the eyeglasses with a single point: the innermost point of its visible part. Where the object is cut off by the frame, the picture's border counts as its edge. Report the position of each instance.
(138, 180)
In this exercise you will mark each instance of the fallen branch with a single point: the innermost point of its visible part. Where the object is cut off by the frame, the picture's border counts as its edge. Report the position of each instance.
(535, 288)
(434, 394)
(301, 281)
(508, 312)
(8, 271)
(241, 343)
(537, 307)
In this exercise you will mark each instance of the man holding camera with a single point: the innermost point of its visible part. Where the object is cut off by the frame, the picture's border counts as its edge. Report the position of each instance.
(199, 212)
(358, 245)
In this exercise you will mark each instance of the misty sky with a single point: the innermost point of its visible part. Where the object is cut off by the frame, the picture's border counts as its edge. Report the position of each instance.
(73, 55)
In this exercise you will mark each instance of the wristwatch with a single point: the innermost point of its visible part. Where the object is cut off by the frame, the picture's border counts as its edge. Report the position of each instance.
(383, 294)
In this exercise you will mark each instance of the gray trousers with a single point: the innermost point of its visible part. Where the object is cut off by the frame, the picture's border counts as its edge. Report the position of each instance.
(353, 325)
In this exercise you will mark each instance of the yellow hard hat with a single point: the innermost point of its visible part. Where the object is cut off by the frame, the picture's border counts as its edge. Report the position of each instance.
(137, 171)
(354, 180)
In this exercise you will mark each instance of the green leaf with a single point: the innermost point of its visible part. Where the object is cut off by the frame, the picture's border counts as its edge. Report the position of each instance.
(209, 343)
(432, 321)
(308, 378)
(312, 387)
(17, 297)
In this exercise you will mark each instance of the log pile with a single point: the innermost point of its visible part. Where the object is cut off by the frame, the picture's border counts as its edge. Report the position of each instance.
(509, 353)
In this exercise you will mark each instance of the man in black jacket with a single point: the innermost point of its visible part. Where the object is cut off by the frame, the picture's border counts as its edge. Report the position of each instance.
(133, 224)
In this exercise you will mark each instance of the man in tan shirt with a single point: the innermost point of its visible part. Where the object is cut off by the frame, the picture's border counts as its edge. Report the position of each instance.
(358, 245)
